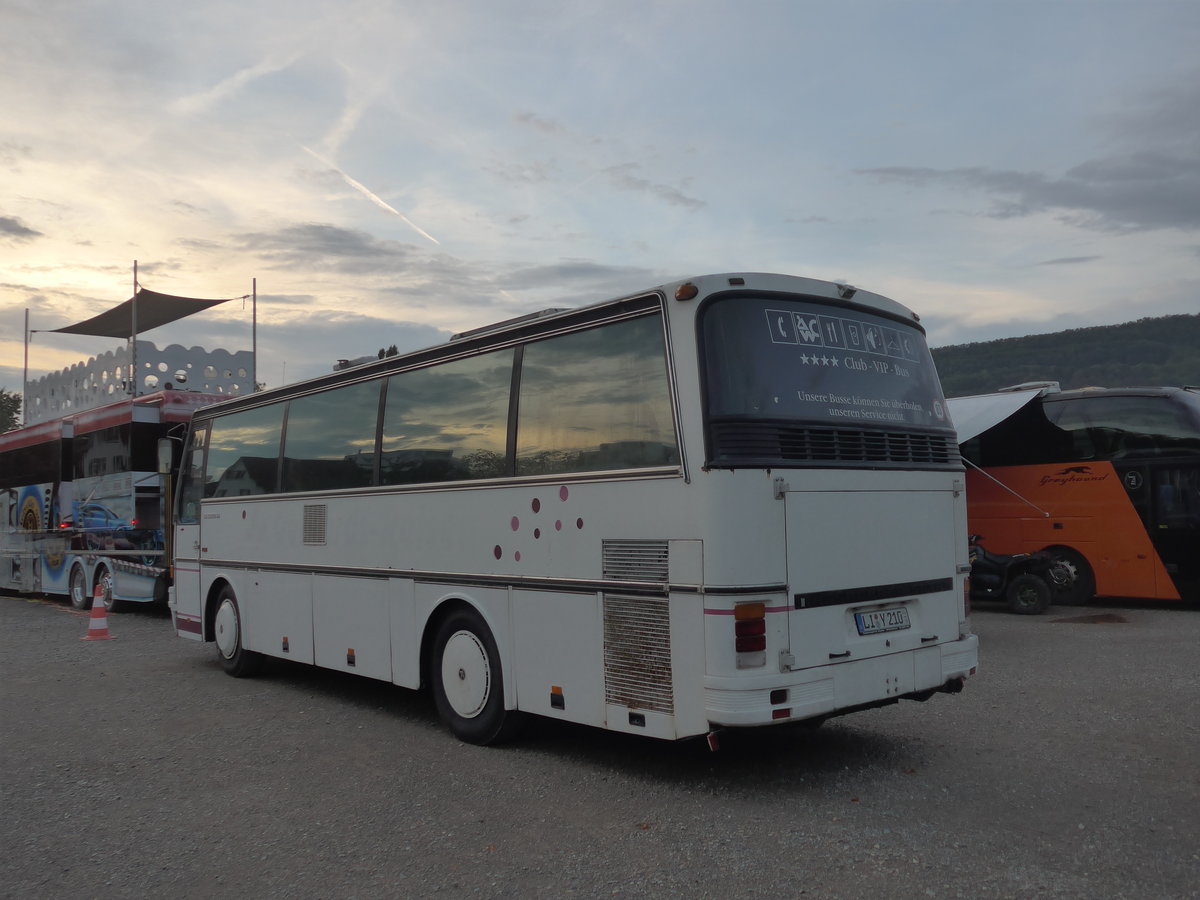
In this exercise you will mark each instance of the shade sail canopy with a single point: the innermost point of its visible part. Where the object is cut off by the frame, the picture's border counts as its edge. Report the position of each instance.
(153, 309)
(975, 415)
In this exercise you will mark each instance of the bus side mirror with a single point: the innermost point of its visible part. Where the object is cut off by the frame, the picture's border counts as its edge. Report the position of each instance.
(164, 456)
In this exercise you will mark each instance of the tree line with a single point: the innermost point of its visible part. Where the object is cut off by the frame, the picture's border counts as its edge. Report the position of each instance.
(1148, 352)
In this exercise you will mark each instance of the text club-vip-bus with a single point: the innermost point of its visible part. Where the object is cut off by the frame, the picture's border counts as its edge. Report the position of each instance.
(81, 500)
(731, 501)
(1107, 479)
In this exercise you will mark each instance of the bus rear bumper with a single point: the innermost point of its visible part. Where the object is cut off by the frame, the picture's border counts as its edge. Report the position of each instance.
(829, 690)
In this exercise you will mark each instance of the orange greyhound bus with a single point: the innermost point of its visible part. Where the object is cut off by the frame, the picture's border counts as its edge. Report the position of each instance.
(1106, 479)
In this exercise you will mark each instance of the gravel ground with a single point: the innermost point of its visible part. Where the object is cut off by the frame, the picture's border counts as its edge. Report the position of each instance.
(134, 768)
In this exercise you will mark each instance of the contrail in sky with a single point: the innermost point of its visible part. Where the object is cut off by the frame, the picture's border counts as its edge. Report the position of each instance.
(366, 192)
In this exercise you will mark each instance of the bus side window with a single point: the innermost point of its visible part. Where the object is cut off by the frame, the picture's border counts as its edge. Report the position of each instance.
(330, 439)
(1079, 439)
(243, 453)
(1136, 426)
(596, 400)
(448, 422)
(191, 477)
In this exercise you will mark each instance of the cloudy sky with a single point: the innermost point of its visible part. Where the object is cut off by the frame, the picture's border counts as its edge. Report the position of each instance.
(391, 171)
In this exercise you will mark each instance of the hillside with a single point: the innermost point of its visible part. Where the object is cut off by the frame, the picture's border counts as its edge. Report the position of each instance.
(1159, 351)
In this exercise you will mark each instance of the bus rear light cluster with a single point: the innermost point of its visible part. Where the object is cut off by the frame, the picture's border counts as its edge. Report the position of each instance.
(750, 634)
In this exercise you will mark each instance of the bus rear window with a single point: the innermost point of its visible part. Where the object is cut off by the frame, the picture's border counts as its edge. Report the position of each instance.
(794, 381)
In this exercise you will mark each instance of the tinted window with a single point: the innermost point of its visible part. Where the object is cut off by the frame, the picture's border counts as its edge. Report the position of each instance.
(1123, 426)
(1026, 438)
(330, 441)
(243, 453)
(35, 464)
(447, 422)
(191, 476)
(776, 358)
(596, 400)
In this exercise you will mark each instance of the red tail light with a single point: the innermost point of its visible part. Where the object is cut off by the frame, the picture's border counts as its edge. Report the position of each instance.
(750, 634)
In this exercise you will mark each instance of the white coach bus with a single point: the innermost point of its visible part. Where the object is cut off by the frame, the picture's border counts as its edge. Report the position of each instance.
(735, 500)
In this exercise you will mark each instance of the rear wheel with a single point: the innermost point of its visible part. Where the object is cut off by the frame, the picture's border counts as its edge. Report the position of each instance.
(104, 581)
(1080, 584)
(81, 597)
(468, 682)
(227, 628)
(1027, 594)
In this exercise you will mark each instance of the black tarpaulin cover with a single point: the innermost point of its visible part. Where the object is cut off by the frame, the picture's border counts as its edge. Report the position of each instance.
(153, 309)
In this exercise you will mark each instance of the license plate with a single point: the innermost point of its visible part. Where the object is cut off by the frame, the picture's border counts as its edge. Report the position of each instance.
(878, 621)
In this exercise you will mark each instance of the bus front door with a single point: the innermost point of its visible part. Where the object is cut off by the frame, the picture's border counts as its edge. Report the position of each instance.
(187, 608)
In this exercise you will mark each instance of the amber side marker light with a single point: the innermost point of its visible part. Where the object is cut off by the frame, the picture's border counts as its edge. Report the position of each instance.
(686, 291)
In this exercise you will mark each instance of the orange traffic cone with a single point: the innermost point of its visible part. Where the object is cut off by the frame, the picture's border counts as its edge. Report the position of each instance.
(98, 624)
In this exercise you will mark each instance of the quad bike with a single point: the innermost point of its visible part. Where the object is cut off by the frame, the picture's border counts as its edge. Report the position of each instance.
(1027, 582)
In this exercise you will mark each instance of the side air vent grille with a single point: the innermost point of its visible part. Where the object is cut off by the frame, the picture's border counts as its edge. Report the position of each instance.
(636, 560)
(637, 653)
(769, 443)
(314, 524)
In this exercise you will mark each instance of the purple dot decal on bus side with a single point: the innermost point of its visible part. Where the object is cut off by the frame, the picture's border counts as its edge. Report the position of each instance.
(498, 552)
(516, 523)
(562, 492)
(579, 523)
(517, 556)
(537, 533)
(537, 505)
(558, 525)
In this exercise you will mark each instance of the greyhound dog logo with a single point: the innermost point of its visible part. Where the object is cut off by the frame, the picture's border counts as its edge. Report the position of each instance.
(1075, 470)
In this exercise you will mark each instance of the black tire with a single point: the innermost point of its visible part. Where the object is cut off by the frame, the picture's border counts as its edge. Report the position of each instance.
(104, 579)
(236, 660)
(1081, 586)
(1027, 595)
(467, 679)
(78, 589)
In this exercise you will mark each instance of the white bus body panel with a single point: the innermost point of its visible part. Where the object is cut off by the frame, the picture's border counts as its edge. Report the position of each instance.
(352, 627)
(396, 578)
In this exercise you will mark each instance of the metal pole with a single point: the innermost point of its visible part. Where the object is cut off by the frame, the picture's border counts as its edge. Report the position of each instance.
(253, 335)
(133, 338)
(25, 375)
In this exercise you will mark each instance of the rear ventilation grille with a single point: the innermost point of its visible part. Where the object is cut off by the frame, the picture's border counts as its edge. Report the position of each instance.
(314, 524)
(636, 560)
(767, 443)
(637, 653)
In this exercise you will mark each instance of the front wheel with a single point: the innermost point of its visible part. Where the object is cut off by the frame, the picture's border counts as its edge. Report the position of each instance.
(468, 682)
(1027, 594)
(227, 627)
(1080, 584)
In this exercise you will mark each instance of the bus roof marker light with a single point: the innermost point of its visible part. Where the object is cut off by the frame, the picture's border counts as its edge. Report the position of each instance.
(846, 291)
(686, 291)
